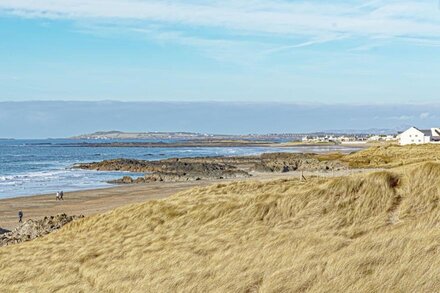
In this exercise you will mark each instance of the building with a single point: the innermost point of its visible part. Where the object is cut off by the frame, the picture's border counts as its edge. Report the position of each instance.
(417, 136)
(382, 137)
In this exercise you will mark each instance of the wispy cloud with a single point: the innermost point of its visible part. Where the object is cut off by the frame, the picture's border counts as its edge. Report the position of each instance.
(312, 42)
(418, 19)
(263, 27)
(216, 47)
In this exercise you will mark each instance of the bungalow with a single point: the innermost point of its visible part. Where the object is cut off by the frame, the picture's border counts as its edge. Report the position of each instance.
(417, 136)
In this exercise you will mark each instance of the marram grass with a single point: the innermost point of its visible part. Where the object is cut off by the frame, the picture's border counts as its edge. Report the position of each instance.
(387, 156)
(376, 232)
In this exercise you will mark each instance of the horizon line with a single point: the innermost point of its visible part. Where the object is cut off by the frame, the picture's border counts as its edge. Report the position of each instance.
(243, 102)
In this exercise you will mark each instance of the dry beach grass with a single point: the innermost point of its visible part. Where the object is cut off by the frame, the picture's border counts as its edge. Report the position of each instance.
(371, 232)
(388, 155)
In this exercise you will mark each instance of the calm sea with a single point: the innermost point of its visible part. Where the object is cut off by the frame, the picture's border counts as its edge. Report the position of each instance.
(29, 167)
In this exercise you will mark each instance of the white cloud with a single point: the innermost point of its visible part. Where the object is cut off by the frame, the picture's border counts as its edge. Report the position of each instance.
(243, 28)
(217, 48)
(417, 19)
(306, 43)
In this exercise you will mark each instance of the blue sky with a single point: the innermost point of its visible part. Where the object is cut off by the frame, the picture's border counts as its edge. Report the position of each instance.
(319, 52)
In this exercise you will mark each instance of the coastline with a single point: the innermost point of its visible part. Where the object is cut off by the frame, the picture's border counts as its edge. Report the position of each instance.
(213, 144)
(85, 202)
(49, 167)
(96, 201)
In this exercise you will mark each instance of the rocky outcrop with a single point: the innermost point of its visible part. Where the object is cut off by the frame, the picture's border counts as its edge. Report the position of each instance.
(168, 170)
(286, 162)
(187, 165)
(179, 177)
(189, 169)
(32, 229)
(119, 165)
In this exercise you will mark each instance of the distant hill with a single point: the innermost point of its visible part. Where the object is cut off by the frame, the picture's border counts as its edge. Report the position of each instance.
(185, 135)
(139, 135)
(114, 134)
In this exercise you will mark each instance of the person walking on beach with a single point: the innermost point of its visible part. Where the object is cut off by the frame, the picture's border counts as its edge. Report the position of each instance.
(20, 216)
(60, 195)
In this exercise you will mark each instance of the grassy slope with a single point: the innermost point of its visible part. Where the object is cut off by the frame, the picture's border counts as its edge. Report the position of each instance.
(386, 156)
(371, 232)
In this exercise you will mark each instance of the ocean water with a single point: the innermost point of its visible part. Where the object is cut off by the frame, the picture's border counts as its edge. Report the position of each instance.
(29, 167)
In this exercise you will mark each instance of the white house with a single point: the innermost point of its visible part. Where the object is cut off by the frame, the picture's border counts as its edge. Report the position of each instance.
(417, 136)
(382, 137)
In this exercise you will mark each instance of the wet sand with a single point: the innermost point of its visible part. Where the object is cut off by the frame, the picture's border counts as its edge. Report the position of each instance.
(95, 201)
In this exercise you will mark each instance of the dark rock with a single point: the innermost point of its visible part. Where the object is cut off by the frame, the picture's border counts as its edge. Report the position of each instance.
(32, 229)
(3, 231)
(188, 169)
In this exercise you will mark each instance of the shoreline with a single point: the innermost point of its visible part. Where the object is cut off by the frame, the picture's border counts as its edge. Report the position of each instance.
(27, 191)
(84, 202)
(208, 170)
(96, 201)
(210, 144)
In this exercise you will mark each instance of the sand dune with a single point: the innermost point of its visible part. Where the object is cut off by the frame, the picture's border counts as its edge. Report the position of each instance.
(387, 156)
(374, 232)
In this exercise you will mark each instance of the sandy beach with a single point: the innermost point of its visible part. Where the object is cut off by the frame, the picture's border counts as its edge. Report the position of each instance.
(95, 201)
(86, 202)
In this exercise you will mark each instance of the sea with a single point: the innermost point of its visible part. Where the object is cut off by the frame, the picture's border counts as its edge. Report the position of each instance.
(30, 167)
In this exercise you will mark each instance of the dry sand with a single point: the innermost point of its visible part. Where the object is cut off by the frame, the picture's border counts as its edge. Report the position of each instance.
(85, 202)
(95, 201)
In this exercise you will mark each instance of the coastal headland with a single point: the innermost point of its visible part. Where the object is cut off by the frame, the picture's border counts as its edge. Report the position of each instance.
(201, 143)
(188, 139)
